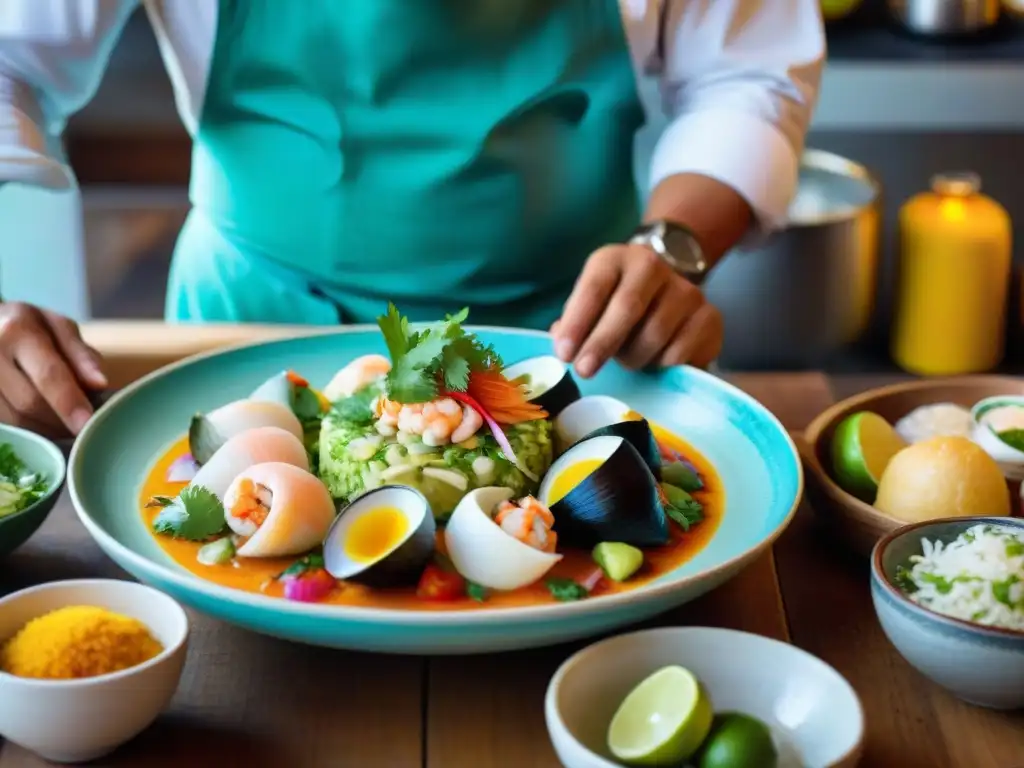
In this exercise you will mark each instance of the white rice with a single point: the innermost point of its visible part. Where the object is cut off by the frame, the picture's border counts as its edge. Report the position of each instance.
(935, 420)
(978, 577)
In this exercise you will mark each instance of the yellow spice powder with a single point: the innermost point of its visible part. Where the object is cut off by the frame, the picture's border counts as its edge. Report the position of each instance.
(76, 642)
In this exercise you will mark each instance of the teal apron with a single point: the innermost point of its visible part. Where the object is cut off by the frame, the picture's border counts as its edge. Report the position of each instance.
(437, 153)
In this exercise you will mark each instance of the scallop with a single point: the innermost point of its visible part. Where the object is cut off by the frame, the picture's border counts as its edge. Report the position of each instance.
(484, 553)
(598, 415)
(382, 539)
(282, 509)
(207, 433)
(601, 489)
(548, 382)
(254, 446)
(357, 375)
(999, 429)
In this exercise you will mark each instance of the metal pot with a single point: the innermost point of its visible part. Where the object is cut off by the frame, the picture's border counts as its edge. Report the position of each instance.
(807, 291)
(943, 18)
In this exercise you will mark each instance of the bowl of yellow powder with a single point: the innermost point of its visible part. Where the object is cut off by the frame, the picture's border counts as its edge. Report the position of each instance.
(87, 665)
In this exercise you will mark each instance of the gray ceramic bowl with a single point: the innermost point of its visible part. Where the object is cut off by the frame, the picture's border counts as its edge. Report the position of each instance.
(43, 456)
(981, 665)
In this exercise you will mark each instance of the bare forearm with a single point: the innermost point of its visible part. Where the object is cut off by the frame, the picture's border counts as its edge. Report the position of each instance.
(715, 212)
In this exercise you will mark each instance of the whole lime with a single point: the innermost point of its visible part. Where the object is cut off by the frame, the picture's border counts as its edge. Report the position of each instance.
(738, 741)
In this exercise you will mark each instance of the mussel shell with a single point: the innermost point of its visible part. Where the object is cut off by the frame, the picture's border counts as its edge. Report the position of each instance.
(618, 501)
(637, 433)
(404, 564)
(560, 393)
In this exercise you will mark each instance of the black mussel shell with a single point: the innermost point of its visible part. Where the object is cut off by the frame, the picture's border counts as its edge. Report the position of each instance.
(404, 564)
(559, 394)
(619, 501)
(637, 433)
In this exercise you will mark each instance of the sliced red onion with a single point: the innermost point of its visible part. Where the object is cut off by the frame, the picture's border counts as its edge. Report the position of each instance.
(309, 587)
(499, 436)
(182, 470)
(591, 580)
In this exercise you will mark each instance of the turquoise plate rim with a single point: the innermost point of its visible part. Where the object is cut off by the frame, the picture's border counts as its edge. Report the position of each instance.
(651, 592)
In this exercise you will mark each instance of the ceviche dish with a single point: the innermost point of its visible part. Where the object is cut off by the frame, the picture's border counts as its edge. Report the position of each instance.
(436, 477)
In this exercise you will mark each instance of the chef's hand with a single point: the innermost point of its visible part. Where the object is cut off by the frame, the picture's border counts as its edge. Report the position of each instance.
(45, 371)
(630, 305)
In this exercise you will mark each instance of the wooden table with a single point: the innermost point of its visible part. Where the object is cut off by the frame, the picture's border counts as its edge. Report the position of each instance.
(255, 701)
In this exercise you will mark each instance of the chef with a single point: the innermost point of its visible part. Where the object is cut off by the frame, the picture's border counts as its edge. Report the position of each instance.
(437, 153)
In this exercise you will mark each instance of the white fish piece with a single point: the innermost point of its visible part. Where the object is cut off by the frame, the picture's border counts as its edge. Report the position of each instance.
(283, 509)
(207, 434)
(253, 446)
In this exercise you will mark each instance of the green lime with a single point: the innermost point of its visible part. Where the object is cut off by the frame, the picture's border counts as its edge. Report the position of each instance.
(662, 721)
(738, 741)
(862, 446)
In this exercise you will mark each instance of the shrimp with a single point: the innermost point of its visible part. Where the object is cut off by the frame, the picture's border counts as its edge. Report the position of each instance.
(357, 375)
(529, 521)
(470, 422)
(438, 422)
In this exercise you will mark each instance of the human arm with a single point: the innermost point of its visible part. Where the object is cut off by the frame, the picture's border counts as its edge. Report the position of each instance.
(739, 81)
(52, 57)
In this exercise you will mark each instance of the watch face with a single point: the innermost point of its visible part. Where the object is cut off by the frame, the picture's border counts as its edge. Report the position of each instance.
(684, 251)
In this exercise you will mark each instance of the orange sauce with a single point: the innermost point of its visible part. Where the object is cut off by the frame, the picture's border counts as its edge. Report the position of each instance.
(257, 575)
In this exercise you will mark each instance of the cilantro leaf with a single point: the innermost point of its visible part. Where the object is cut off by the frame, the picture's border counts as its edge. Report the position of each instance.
(395, 330)
(356, 408)
(299, 567)
(565, 590)
(441, 353)
(476, 591)
(456, 371)
(904, 580)
(305, 404)
(196, 515)
(686, 515)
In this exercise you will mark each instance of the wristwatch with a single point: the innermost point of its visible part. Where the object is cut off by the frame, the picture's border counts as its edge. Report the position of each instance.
(676, 245)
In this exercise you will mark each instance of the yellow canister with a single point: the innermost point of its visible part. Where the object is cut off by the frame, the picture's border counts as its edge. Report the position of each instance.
(954, 277)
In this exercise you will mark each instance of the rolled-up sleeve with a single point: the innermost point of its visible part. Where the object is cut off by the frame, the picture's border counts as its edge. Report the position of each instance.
(52, 57)
(739, 81)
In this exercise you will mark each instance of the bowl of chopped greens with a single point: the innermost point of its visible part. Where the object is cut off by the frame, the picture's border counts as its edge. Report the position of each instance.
(32, 471)
(949, 595)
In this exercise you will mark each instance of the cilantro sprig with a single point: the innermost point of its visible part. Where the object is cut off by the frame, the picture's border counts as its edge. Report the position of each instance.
(422, 361)
(195, 514)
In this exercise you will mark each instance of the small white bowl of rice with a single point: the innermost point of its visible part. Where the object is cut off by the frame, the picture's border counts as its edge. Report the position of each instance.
(949, 595)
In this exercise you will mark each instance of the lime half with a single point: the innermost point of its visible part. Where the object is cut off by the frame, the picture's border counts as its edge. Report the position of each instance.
(862, 446)
(662, 721)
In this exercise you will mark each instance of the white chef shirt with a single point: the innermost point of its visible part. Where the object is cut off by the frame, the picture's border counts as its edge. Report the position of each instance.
(738, 80)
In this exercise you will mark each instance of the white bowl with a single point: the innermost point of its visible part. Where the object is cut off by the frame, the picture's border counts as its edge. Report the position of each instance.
(814, 715)
(70, 721)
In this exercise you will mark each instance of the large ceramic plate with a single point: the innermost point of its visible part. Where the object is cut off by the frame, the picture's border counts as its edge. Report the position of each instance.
(753, 454)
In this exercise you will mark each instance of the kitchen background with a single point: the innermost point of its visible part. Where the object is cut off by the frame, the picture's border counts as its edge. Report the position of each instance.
(904, 106)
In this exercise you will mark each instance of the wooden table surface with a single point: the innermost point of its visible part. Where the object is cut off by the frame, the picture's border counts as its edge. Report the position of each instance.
(254, 701)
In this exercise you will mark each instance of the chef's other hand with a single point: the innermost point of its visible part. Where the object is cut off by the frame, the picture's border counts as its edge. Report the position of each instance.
(630, 305)
(45, 371)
